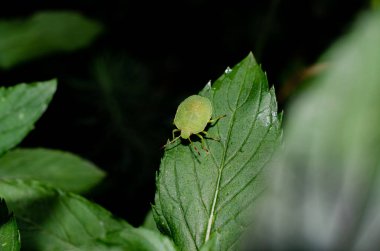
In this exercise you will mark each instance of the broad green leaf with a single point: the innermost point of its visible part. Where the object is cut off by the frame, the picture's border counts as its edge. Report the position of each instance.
(56, 168)
(44, 33)
(208, 196)
(20, 107)
(50, 219)
(329, 172)
(9, 234)
(53, 220)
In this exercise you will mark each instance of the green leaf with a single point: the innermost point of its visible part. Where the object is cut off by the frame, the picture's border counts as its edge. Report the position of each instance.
(56, 168)
(44, 33)
(53, 220)
(208, 196)
(149, 222)
(9, 234)
(20, 107)
(138, 239)
(50, 219)
(329, 171)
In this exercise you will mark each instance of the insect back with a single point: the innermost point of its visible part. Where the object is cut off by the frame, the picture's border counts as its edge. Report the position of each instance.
(192, 117)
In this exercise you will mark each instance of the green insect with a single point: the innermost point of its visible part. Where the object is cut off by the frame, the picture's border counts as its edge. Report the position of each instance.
(191, 118)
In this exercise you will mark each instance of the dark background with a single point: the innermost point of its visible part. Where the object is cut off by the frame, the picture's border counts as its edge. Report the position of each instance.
(116, 98)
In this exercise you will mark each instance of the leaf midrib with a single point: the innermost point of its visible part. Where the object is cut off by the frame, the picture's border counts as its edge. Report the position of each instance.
(221, 167)
(216, 193)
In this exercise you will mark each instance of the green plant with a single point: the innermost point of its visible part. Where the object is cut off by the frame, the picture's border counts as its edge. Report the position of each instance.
(36, 183)
(42, 34)
(208, 197)
(329, 171)
(328, 167)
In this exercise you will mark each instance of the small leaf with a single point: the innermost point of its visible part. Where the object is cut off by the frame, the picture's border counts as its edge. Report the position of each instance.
(9, 234)
(59, 169)
(44, 33)
(20, 107)
(207, 197)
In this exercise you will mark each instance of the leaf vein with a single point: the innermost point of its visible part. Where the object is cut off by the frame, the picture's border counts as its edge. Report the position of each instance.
(180, 202)
(198, 186)
(77, 218)
(17, 107)
(237, 193)
(250, 130)
(249, 159)
(164, 216)
(42, 229)
(220, 170)
(228, 91)
(243, 208)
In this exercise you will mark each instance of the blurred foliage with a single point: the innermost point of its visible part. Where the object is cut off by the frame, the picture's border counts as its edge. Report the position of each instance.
(149, 222)
(9, 234)
(21, 106)
(326, 181)
(42, 34)
(58, 169)
(120, 92)
(128, 114)
(375, 3)
(51, 219)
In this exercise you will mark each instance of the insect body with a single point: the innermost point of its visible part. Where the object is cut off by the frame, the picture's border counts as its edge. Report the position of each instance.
(192, 117)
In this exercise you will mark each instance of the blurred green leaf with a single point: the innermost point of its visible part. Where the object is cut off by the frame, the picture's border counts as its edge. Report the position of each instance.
(56, 168)
(53, 220)
(329, 173)
(375, 3)
(50, 219)
(20, 107)
(9, 234)
(138, 239)
(149, 222)
(208, 196)
(44, 33)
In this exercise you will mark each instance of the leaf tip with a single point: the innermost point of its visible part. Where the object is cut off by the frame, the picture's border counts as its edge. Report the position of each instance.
(49, 86)
(53, 84)
(251, 58)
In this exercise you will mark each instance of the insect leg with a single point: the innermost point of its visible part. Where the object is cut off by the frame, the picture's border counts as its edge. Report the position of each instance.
(173, 133)
(210, 137)
(170, 141)
(195, 148)
(212, 121)
(173, 139)
(202, 142)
